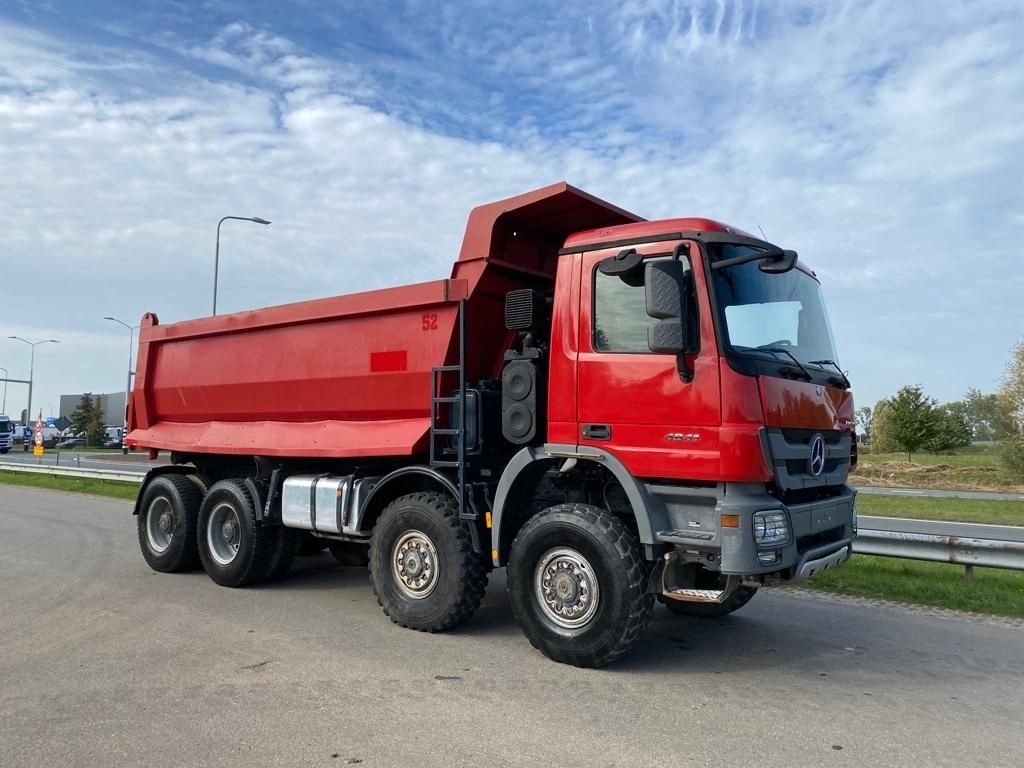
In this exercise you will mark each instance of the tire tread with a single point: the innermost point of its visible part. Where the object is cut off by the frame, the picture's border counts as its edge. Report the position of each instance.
(473, 570)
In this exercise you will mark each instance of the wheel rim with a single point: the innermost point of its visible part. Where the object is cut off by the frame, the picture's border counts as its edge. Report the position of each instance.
(566, 588)
(414, 564)
(224, 533)
(160, 525)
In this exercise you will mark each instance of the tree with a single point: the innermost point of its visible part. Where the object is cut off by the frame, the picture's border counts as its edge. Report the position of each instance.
(1011, 393)
(951, 428)
(982, 412)
(913, 420)
(881, 429)
(864, 418)
(87, 420)
(1011, 410)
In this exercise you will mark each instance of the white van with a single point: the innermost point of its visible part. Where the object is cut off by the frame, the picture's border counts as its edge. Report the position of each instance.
(6, 433)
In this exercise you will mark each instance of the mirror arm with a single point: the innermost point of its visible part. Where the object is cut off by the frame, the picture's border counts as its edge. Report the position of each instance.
(685, 371)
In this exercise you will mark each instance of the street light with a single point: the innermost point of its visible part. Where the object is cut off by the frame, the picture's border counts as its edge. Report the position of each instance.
(128, 386)
(3, 408)
(31, 371)
(216, 253)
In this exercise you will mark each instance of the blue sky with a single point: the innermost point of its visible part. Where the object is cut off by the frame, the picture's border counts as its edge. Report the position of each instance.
(883, 141)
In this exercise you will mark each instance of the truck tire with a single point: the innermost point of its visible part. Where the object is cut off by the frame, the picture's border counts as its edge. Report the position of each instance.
(740, 597)
(422, 566)
(235, 552)
(577, 582)
(167, 523)
(350, 554)
(286, 544)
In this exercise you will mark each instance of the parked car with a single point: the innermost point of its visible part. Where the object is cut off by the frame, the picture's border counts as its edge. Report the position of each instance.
(113, 437)
(71, 441)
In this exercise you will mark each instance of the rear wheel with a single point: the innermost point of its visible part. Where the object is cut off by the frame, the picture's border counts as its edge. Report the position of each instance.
(578, 585)
(422, 566)
(167, 523)
(234, 550)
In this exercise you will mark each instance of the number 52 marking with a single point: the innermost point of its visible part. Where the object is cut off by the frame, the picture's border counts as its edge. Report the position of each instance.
(430, 322)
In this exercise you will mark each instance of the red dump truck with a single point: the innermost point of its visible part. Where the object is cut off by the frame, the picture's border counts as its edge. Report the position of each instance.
(617, 411)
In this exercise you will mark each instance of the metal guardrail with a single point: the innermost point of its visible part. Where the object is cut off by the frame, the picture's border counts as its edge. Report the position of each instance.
(92, 474)
(967, 544)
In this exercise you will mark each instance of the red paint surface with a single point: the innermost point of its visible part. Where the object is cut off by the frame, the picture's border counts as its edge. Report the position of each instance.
(389, 362)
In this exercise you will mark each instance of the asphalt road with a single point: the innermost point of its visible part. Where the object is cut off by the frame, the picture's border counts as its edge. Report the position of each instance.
(106, 663)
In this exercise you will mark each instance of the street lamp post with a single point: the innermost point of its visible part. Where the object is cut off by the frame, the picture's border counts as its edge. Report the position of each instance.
(31, 371)
(3, 408)
(216, 253)
(128, 386)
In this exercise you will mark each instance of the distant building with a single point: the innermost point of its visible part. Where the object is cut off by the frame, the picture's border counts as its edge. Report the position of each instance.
(112, 404)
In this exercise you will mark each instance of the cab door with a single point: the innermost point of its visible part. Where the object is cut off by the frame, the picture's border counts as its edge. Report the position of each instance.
(632, 402)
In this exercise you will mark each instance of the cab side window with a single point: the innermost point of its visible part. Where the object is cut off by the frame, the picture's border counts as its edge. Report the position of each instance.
(620, 312)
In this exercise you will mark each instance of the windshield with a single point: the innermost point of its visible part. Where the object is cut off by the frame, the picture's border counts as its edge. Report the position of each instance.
(765, 311)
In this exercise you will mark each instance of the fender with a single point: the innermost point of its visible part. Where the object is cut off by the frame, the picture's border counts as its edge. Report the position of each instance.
(366, 513)
(649, 512)
(172, 469)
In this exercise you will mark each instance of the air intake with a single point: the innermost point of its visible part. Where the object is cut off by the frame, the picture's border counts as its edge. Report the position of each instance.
(525, 310)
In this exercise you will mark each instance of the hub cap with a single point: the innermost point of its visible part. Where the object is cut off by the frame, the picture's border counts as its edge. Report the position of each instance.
(160, 525)
(566, 588)
(223, 534)
(414, 564)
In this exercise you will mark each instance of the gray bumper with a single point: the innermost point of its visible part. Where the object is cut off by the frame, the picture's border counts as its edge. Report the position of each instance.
(821, 532)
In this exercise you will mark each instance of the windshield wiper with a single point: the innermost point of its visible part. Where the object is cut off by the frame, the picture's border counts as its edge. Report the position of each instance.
(845, 381)
(780, 351)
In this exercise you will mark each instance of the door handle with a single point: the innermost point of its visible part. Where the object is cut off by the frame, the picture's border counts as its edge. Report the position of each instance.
(597, 431)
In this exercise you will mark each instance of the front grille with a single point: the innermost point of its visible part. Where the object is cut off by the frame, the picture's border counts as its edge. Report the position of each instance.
(806, 495)
(803, 436)
(817, 539)
(799, 466)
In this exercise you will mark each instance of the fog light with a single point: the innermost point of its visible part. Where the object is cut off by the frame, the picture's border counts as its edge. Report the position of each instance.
(771, 527)
(769, 558)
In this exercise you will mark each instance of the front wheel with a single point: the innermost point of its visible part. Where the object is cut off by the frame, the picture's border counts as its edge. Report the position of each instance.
(577, 582)
(423, 569)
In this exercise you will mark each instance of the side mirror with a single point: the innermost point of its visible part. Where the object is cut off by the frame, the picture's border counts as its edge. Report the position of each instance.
(663, 285)
(778, 263)
(665, 337)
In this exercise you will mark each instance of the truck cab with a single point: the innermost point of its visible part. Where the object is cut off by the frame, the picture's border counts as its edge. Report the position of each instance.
(6, 433)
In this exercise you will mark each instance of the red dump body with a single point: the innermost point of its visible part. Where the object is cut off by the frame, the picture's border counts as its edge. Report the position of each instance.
(349, 376)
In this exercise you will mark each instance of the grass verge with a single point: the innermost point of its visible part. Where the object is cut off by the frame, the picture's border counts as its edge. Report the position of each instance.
(110, 488)
(942, 585)
(977, 467)
(953, 510)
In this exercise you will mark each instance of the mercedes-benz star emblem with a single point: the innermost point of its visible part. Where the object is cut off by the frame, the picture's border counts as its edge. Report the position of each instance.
(816, 464)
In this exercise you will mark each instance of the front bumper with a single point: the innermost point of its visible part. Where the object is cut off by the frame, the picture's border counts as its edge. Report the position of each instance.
(821, 533)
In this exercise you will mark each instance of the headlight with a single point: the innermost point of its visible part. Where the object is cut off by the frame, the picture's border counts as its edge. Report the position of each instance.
(771, 527)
